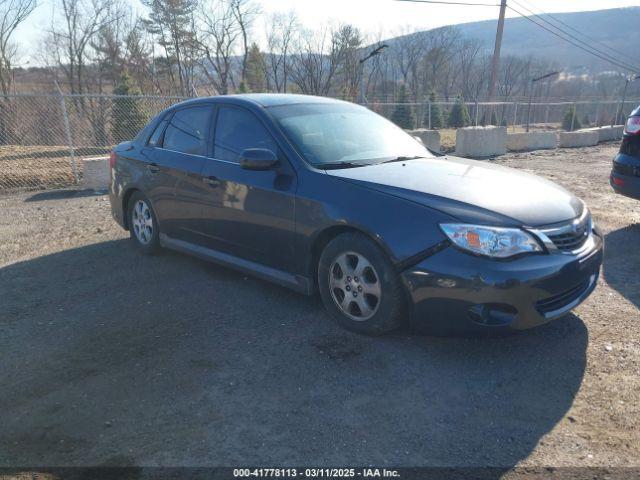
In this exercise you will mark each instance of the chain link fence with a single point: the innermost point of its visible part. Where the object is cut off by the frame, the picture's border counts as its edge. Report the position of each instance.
(515, 115)
(44, 139)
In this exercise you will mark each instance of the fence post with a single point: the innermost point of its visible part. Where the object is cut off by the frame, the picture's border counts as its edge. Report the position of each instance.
(598, 113)
(546, 118)
(67, 130)
(429, 114)
(573, 117)
(476, 112)
(515, 115)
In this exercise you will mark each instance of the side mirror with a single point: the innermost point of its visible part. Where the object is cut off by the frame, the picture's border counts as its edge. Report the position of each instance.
(258, 159)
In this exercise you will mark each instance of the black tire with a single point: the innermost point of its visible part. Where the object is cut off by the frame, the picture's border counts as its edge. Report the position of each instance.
(152, 246)
(390, 308)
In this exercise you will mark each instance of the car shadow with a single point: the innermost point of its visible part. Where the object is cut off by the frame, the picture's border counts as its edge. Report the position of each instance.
(63, 194)
(622, 262)
(167, 360)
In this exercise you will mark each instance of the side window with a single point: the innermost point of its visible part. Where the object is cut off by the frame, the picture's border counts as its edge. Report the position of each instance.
(187, 131)
(154, 140)
(238, 129)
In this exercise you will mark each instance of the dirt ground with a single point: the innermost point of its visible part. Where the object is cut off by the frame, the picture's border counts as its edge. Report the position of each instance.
(112, 358)
(25, 168)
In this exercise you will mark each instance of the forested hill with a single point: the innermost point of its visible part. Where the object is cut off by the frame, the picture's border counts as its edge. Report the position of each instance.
(617, 28)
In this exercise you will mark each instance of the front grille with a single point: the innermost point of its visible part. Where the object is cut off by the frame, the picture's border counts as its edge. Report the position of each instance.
(561, 300)
(569, 241)
(572, 235)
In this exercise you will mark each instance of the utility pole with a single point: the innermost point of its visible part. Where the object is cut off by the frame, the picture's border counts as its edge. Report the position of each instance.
(495, 64)
(533, 83)
(362, 99)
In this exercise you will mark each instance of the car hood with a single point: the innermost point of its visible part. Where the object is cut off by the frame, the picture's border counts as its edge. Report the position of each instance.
(471, 190)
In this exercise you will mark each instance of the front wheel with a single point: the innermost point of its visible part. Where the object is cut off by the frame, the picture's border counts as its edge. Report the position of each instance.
(359, 286)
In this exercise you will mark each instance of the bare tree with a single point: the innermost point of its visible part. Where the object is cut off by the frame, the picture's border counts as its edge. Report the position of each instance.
(13, 12)
(218, 43)
(319, 58)
(71, 42)
(280, 31)
(407, 49)
(468, 54)
(244, 13)
(439, 60)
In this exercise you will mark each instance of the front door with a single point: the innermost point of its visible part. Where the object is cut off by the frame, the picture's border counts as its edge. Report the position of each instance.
(248, 214)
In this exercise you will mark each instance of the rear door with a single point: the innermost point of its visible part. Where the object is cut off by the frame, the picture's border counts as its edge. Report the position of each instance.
(248, 214)
(177, 161)
(156, 178)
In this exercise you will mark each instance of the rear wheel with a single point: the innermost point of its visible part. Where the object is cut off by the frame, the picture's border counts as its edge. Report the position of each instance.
(359, 286)
(143, 226)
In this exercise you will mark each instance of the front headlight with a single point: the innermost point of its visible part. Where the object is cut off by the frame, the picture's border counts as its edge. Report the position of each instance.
(491, 241)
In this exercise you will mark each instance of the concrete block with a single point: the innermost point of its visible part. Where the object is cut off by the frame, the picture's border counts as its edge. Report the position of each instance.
(96, 175)
(520, 142)
(481, 142)
(430, 138)
(618, 130)
(579, 138)
(605, 134)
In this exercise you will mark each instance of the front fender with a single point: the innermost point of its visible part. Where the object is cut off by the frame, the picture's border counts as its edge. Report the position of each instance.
(402, 228)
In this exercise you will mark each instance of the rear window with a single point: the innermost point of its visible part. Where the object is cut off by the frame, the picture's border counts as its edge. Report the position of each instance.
(188, 130)
(156, 136)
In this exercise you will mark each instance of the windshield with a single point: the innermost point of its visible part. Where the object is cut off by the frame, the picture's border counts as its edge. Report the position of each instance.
(334, 134)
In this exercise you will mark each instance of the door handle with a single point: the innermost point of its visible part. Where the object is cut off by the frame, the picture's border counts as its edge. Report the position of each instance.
(213, 181)
(153, 168)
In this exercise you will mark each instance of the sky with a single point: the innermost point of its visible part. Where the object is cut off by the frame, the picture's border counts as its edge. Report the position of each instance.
(371, 16)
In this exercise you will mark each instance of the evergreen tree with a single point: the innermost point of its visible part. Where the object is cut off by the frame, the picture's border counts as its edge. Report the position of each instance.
(255, 77)
(459, 115)
(171, 22)
(402, 115)
(494, 118)
(127, 115)
(437, 121)
(569, 117)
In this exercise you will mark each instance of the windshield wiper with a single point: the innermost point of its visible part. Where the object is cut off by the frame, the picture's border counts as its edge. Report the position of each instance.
(403, 159)
(338, 165)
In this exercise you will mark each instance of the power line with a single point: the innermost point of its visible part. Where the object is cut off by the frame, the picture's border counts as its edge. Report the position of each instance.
(617, 59)
(578, 45)
(557, 20)
(446, 2)
(589, 48)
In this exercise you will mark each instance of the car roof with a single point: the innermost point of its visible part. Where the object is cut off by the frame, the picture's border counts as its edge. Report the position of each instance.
(265, 99)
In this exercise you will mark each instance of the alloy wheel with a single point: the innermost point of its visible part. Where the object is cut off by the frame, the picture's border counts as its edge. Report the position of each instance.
(355, 286)
(142, 222)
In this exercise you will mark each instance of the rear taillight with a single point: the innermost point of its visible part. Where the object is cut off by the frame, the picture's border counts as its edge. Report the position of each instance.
(633, 125)
(112, 160)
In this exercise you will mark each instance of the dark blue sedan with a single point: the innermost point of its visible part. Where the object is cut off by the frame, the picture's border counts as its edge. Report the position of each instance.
(323, 195)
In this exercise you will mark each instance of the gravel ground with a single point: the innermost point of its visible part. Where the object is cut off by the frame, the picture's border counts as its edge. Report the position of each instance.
(112, 358)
